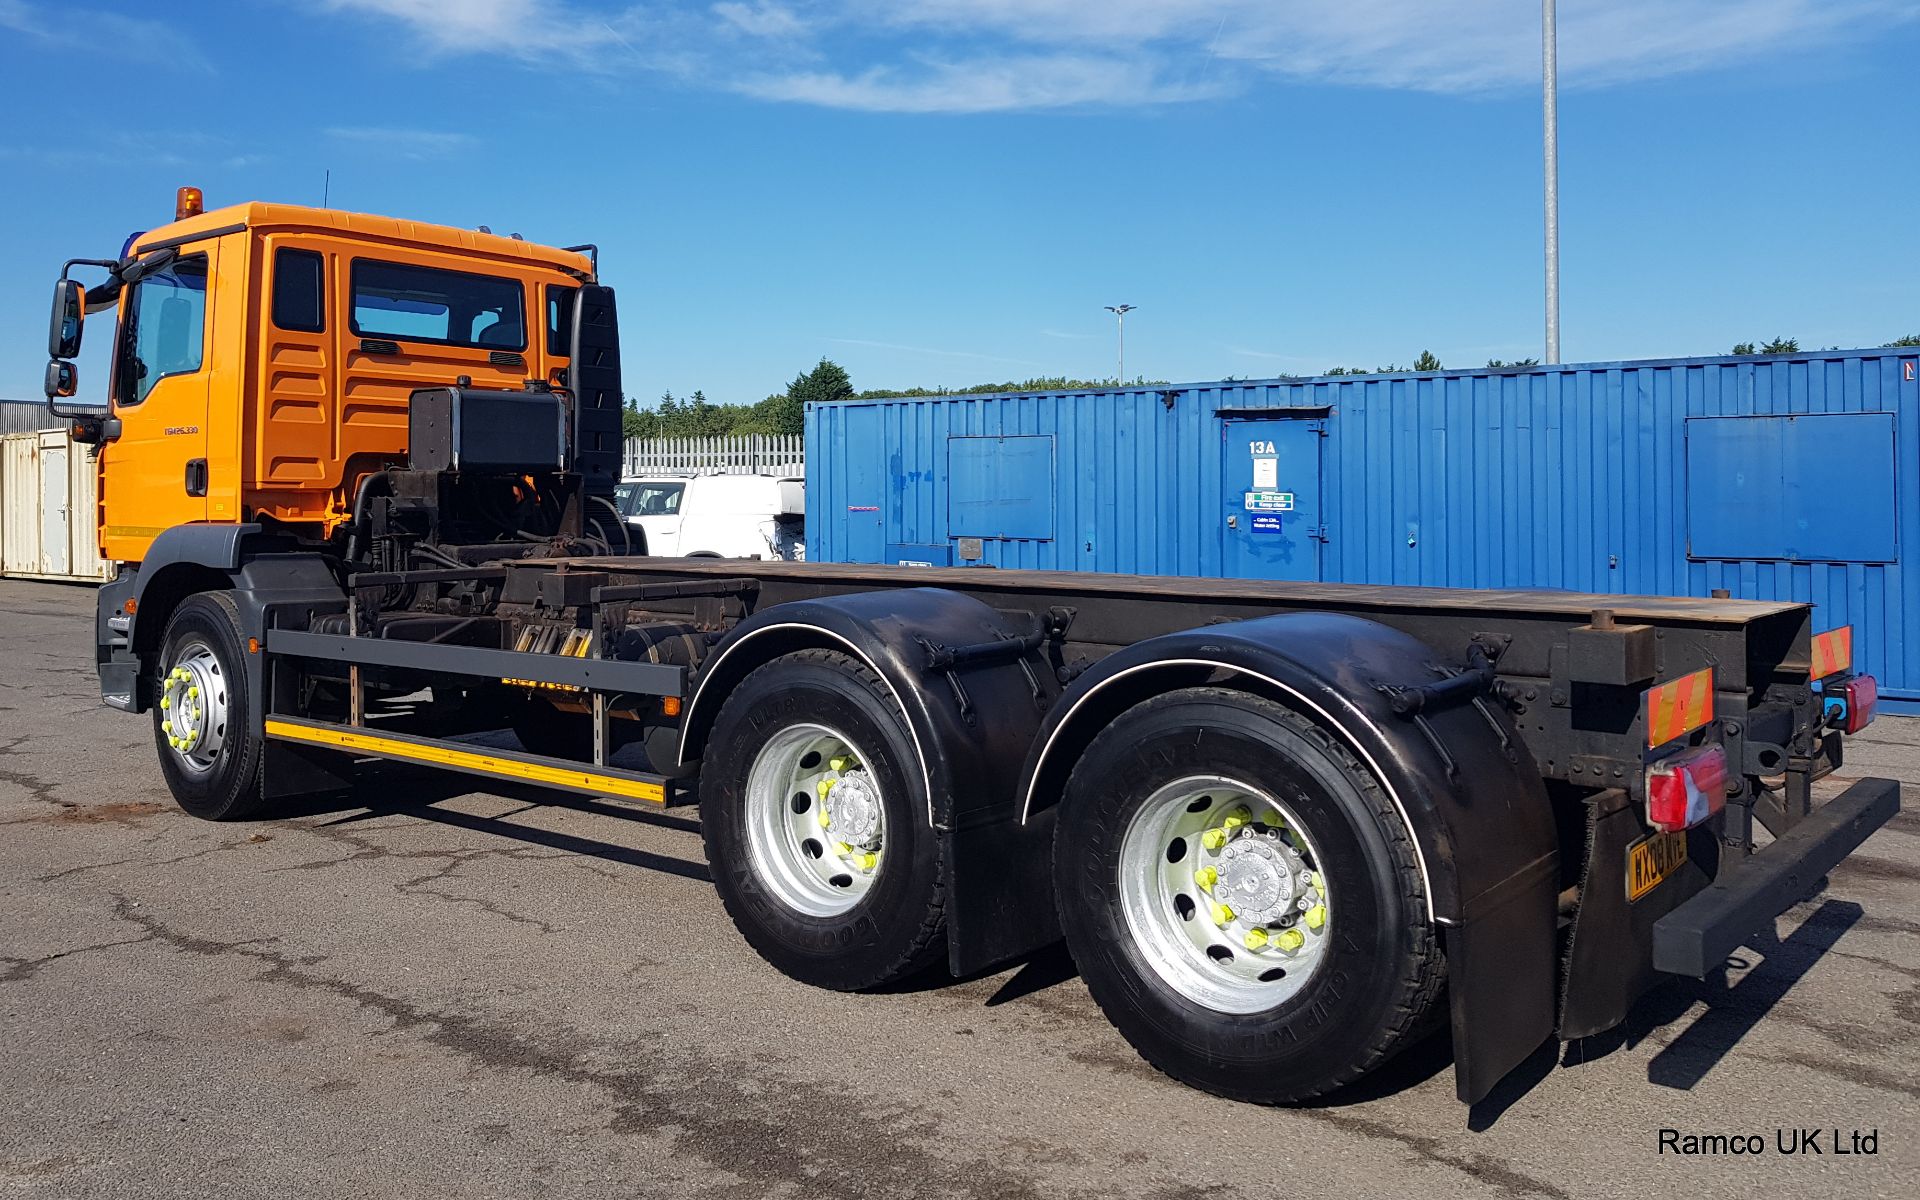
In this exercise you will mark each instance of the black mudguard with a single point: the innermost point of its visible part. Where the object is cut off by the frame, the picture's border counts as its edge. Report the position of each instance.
(971, 726)
(1458, 774)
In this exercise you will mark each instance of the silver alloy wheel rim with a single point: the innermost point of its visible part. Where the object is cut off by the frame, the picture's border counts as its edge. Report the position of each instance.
(816, 820)
(1222, 893)
(193, 707)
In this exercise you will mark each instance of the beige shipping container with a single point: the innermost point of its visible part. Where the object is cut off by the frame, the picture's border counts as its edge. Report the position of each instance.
(47, 527)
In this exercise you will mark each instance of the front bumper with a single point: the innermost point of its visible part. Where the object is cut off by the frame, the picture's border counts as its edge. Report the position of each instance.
(1697, 937)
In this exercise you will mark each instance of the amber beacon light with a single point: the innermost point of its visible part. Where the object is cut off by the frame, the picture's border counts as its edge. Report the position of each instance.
(188, 202)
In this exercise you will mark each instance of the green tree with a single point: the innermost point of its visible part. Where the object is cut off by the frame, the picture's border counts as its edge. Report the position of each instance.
(1426, 362)
(1498, 364)
(1781, 345)
(1912, 339)
(1743, 348)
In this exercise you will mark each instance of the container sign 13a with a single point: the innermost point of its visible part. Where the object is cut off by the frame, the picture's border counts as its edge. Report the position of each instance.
(1266, 523)
(1273, 502)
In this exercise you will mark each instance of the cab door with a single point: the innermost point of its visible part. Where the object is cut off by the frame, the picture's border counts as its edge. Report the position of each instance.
(155, 472)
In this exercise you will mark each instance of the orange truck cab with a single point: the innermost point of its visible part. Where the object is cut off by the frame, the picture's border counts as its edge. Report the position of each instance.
(265, 354)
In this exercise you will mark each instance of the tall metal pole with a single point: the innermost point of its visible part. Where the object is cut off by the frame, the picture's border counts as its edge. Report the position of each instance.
(1120, 312)
(1550, 102)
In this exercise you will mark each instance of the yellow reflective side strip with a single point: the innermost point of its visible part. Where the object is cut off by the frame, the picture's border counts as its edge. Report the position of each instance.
(481, 762)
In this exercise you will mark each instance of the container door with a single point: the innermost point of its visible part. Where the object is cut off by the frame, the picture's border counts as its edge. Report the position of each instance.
(865, 473)
(1270, 515)
(54, 511)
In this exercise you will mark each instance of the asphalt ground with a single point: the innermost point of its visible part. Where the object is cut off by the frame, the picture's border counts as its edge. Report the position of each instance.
(430, 990)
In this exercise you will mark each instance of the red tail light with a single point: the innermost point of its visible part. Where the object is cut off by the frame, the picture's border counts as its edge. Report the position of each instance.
(1850, 706)
(1687, 789)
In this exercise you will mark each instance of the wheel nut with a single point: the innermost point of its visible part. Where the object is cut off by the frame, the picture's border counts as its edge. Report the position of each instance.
(839, 762)
(1213, 839)
(825, 818)
(1235, 819)
(1316, 916)
(1222, 913)
(823, 787)
(193, 693)
(1206, 877)
(1290, 940)
(1255, 939)
(166, 702)
(166, 727)
(866, 862)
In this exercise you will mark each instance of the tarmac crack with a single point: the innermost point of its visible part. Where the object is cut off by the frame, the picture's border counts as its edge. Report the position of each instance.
(737, 1125)
(1484, 1167)
(417, 886)
(19, 970)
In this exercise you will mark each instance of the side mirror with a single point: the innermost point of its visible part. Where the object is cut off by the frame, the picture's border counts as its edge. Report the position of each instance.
(63, 329)
(63, 379)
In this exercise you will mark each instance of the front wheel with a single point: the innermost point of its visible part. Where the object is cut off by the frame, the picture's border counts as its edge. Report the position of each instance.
(815, 819)
(203, 731)
(1242, 899)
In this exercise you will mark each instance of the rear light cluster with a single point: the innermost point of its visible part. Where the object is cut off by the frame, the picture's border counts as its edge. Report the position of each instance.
(1686, 789)
(1849, 706)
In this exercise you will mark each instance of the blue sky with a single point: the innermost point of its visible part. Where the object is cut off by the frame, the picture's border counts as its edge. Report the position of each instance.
(948, 191)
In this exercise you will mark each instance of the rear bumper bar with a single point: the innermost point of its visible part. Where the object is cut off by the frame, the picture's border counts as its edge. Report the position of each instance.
(1697, 937)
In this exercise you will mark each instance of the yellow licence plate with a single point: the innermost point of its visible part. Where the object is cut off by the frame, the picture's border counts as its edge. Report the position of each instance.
(1652, 859)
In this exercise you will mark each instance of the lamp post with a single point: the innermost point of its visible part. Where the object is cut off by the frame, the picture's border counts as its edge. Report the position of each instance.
(1550, 112)
(1120, 312)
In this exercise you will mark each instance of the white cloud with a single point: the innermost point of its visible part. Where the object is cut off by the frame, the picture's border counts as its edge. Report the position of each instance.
(762, 19)
(983, 85)
(415, 144)
(89, 29)
(949, 56)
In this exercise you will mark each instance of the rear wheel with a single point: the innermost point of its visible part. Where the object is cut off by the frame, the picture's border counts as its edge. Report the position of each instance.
(1243, 901)
(814, 815)
(203, 720)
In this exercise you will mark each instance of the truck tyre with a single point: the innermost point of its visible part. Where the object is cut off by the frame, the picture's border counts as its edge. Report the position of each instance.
(815, 819)
(1242, 899)
(203, 719)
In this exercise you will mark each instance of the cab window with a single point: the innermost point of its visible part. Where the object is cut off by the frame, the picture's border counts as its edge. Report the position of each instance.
(299, 290)
(165, 328)
(427, 304)
(560, 320)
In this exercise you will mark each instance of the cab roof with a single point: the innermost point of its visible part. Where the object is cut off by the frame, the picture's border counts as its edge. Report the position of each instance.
(363, 227)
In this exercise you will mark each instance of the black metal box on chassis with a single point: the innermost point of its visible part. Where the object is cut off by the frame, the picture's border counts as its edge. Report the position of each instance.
(482, 429)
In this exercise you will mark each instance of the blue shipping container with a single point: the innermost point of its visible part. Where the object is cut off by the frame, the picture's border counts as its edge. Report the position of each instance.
(1776, 478)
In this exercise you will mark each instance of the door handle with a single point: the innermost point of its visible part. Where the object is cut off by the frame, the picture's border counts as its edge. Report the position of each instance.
(196, 477)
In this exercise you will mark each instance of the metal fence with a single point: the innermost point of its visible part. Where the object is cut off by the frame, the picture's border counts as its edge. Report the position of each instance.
(25, 416)
(746, 454)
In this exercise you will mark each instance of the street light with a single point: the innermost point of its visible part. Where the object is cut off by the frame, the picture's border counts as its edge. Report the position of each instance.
(1550, 120)
(1120, 312)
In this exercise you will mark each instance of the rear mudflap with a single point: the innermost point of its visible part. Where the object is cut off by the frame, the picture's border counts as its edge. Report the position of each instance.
(1607, 962)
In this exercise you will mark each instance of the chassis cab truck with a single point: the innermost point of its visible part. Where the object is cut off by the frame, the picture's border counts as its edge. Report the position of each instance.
(360, 473)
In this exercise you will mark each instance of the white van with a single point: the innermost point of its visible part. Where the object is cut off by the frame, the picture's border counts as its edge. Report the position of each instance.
(716, 516)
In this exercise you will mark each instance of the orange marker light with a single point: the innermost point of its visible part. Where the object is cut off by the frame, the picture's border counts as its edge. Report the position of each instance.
(670, 705)
(188, 202)
(132, 606)
(253, 645)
